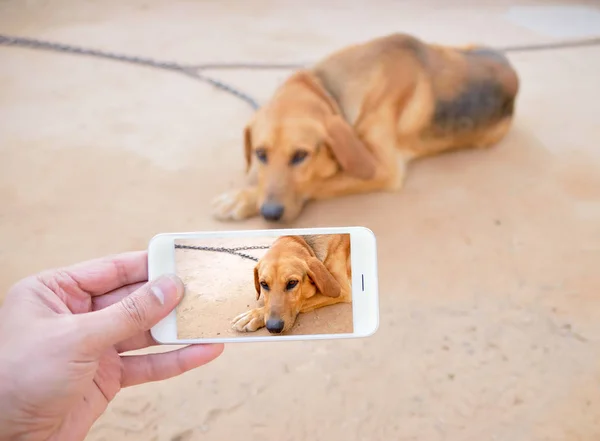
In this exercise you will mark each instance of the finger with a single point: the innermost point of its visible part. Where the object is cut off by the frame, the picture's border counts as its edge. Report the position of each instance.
(105, 300)
(139, 369)
(139, 341)
(133, 315)
(103, 275)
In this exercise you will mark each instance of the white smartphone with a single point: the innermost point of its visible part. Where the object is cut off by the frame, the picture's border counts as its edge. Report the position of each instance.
(269, 285)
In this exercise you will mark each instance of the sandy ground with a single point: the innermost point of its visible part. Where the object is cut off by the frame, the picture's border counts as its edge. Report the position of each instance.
(220, 286)
(489, 280)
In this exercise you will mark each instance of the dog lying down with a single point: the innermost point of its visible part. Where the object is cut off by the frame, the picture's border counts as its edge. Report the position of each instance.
(298, 274)
(353, 122)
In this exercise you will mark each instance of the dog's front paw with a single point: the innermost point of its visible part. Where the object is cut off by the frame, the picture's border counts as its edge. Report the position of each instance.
(249, 321)
(236, 205)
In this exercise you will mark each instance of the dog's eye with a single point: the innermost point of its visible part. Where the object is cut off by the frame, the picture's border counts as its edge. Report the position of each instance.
(264, 286)
(291, 284)
(298, 157)
(261, 155)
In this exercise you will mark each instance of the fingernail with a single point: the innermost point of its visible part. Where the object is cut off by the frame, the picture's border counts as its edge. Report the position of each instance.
(165, 285)
(158, 293)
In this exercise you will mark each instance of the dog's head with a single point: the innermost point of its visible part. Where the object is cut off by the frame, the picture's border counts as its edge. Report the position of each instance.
(287, 276)
(296, 142)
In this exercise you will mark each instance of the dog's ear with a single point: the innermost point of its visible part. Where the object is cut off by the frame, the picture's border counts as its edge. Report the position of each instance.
(310, 81)
(321, 277)
(351, 153)
(256, 282)
(248, 146)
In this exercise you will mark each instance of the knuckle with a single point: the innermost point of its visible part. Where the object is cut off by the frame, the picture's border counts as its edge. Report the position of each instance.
(135, 312)
(148, 370)
(182, 366)
(121, 270)
(20, 286)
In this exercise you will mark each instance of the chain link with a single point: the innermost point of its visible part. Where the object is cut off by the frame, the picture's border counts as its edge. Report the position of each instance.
(193, 71)
(595, 41)
(189, 70)
(6, 40)
(234, 251)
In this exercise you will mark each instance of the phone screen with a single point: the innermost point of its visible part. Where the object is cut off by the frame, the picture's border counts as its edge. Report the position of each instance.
(238, 287)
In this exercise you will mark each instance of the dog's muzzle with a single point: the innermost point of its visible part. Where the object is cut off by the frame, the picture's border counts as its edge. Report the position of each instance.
(275, 326)
(272, 211)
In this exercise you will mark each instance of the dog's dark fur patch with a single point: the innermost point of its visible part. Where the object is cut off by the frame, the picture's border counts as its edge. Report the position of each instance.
(318, 243)
(479, 105)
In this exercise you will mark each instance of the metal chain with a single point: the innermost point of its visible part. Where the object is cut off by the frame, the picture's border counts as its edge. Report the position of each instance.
(224, 87)
(234, 251)
(548, 46)
(193, 70)
(189, 70)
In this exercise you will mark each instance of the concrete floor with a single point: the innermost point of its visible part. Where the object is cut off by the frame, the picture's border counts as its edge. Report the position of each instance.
(490, 289)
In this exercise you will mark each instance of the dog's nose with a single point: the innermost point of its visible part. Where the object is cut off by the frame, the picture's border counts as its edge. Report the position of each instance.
(271, 211)
(275, 326)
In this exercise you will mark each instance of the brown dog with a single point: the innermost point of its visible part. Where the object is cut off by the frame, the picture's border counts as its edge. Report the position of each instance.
(352, 123)
(298, 274)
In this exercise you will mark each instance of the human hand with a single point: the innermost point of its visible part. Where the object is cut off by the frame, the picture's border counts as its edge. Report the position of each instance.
(61, 336)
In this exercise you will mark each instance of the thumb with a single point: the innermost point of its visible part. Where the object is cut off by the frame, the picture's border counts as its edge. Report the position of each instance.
(134, 314)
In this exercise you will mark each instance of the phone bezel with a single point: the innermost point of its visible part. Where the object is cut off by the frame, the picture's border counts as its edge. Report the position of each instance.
(365, 288)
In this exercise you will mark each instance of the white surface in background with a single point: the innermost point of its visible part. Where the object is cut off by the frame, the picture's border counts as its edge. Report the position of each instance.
(558, 21)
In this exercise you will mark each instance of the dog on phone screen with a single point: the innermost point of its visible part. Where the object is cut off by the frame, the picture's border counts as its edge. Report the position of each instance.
(298, 274)
(353, 122)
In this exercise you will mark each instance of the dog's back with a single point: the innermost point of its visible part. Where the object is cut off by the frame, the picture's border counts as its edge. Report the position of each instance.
(438, 92)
